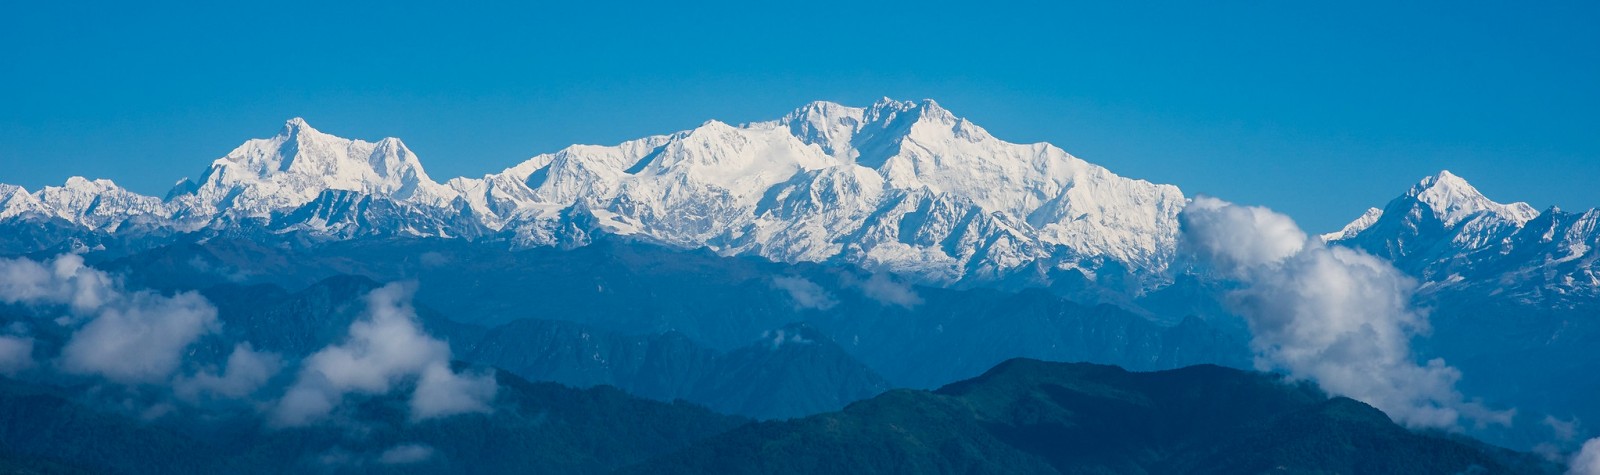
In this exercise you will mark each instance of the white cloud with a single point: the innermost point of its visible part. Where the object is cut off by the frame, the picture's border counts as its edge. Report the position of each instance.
(140, 338)
(246, 371)
(62, 281)
(1239, 239)
(806, 294)
(405, 454)
(384, 347)
(778, 338)
(16, 354)
(1340, 317)
(885, 289)
(1587, 460)
(129, 337)
(441, 392)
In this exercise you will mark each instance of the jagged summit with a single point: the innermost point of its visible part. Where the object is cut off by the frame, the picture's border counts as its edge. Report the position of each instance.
(1446, 232)
(905, 186)
(1453, 200)
(901, 186)
(1366, 220)
(1439, 213)
(295, 126)
(276, 174)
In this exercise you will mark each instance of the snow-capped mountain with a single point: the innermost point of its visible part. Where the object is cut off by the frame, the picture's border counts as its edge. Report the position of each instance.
(302, 167)
(1448, 234)
(900, 186)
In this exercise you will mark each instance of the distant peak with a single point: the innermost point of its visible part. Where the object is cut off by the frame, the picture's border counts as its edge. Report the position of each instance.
(1355, 227)
(888, 103)
(820, 106)
(78, 182)
(1452, 200)
(295, 126)
(1445, 179)
(1445, 185)
(713, 124)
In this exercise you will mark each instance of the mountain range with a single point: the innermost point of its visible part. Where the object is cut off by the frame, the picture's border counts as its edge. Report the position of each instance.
(811, 264)
(903, 187)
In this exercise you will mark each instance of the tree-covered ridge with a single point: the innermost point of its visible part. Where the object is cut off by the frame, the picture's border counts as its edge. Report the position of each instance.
(1029, 416)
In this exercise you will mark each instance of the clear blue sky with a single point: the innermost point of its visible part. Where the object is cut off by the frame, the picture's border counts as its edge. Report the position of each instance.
(1317, 110)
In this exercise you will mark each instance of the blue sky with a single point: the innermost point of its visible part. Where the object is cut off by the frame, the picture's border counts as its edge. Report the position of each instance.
(1316, 111)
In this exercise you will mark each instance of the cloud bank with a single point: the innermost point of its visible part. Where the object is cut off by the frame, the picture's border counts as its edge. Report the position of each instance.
(1333, 315)
(384, 348)
(125, 337)
(141, 338)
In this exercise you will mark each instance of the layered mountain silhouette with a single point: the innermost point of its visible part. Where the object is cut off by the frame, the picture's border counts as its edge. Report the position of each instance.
(795, 272)
(1028, 416)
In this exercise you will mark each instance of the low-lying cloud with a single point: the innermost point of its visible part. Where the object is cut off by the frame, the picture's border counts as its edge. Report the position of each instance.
(139, 338)
(125, 337)
(16, 354)
(246, 371)
(384, 348)
(405, 454)
(805, 293)
(1587, 460)
(889, 291)
(61, 281)
(1337, 316)
(142, 338)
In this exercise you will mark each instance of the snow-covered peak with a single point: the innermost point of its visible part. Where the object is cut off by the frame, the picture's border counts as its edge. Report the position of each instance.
(896, 185)
(16, 201)
(296, 125)
(292, 168)
(1355, 227)
(11, 192)
(98, 204)
(1453, 200)
(828, 125)
(78, 188)
(809, 185)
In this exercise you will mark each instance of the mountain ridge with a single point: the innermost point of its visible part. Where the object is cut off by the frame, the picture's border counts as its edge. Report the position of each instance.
(1449, 235)
(906, 187)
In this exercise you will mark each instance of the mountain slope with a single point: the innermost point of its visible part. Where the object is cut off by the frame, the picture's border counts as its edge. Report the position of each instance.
(539, 427)
(1027, 416)
(791, 372)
